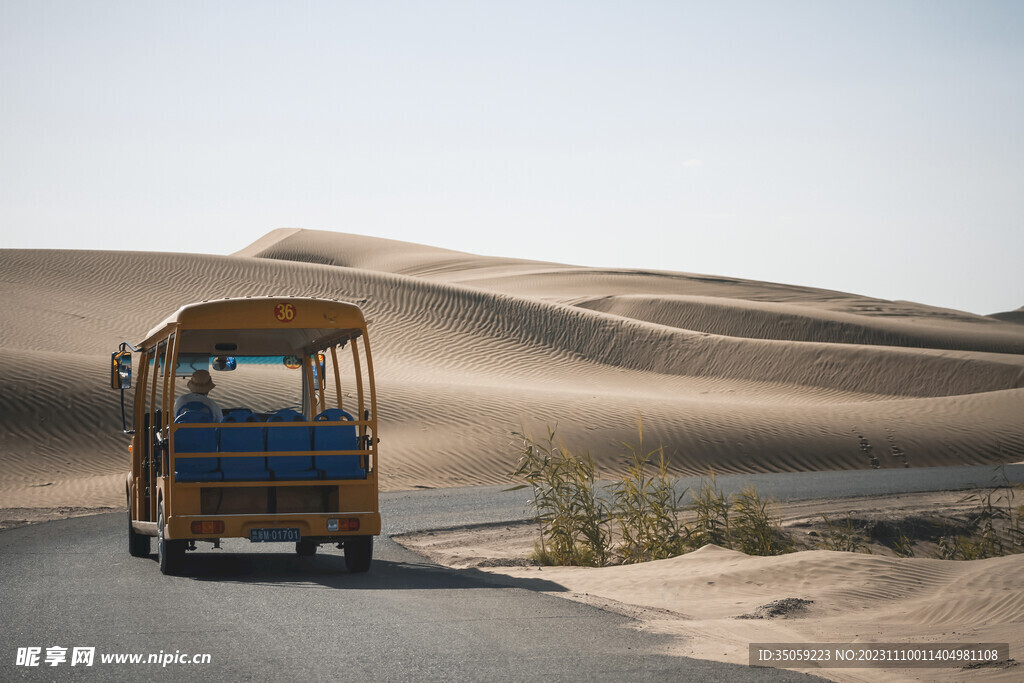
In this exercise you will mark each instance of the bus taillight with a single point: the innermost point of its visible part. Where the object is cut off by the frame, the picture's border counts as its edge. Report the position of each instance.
(343, 524)
(208, 527)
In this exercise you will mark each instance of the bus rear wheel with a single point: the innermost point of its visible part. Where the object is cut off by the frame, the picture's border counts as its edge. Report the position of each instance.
(170, 553)
(138, 545)
(358, 553)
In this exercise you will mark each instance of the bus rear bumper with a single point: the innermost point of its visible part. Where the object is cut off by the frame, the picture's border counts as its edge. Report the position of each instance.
(318, 526)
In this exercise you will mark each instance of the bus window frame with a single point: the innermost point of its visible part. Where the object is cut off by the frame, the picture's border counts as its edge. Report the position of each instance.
(143, 466)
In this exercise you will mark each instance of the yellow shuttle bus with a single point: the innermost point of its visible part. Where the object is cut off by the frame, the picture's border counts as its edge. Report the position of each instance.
(252, 418)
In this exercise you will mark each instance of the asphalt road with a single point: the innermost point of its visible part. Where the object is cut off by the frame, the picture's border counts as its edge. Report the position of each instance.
(263, 613)
(450, 508)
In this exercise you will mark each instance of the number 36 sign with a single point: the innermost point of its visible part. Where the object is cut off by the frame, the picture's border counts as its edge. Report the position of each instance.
(285, 312)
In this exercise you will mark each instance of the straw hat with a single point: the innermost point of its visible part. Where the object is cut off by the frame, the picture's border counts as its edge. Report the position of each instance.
(201, 383)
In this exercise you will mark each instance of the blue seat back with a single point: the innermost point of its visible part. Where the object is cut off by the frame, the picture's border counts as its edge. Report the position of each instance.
(336, 438)
(196, 406)
(198, 440)
(286, 415)
(298, 439)
(247, 439)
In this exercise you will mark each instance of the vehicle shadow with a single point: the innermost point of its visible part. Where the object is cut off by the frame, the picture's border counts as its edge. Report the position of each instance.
(328, 571)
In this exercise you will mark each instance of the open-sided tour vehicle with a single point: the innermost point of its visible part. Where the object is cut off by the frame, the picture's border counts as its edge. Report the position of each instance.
(284, 449)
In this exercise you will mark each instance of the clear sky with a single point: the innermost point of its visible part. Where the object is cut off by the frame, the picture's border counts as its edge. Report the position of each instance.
(870, 147)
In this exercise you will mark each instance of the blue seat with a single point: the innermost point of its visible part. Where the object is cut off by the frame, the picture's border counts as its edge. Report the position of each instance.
(288, 438)
(197, 440)
(336, 438)
(239, 415)
(248, 439)
(196, 406)
(296, 439)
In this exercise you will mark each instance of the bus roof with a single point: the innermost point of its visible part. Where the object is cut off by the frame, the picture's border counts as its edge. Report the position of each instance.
(263, 313)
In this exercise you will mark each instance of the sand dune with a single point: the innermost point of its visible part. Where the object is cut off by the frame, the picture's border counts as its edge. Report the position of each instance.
(714, 602)
(1016, 316)
(731, 374)
(708, 597)
(798, 322)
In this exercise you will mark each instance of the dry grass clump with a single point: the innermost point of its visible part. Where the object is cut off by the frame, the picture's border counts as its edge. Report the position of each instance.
(570, 515)
(639, 518)
(998, 525)
(992, 526)
(755, 532)
(642, 517)
(645, 509)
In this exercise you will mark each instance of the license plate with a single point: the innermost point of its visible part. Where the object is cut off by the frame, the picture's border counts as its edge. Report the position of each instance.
(274, 535)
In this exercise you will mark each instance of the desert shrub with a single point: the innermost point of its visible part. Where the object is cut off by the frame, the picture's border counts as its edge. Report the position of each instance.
(843, 537)
(994, 509)
(710, 509)
(961, 547)
(902, 545)
(997, 524)
(577, 518)
(1016, 530)
(742, 522)
(899, 535)
(642, 517)
(646, 509)
(573, 521)
(753, 529)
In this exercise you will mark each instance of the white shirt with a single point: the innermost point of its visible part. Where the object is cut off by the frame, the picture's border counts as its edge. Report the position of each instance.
(198, 398)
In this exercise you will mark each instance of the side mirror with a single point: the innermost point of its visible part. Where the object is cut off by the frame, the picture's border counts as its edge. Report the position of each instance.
(121, 370)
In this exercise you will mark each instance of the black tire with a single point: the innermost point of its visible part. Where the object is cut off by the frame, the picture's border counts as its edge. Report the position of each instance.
(305, 548)
(358, 553)
(138, 545)
(171, 554)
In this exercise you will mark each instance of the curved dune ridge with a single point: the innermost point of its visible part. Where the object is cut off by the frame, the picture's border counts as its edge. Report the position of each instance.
(797, 322)
(1016, 316)
(732, 374)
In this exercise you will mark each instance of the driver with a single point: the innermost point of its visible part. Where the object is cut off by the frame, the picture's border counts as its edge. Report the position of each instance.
(199, 386)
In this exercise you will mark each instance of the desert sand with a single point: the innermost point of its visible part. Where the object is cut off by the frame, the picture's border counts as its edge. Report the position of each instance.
(714, 602)
(737, 375)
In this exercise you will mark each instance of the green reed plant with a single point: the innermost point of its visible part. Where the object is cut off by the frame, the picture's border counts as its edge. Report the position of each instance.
(573, 520)
(990, 514)
(1016, 530)
(646, 508)
(902, 545)
(639, 517)
(844, 537)
(754, 530)
(710, 508)
(962, 547)
(576, 521)
(998, 524)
